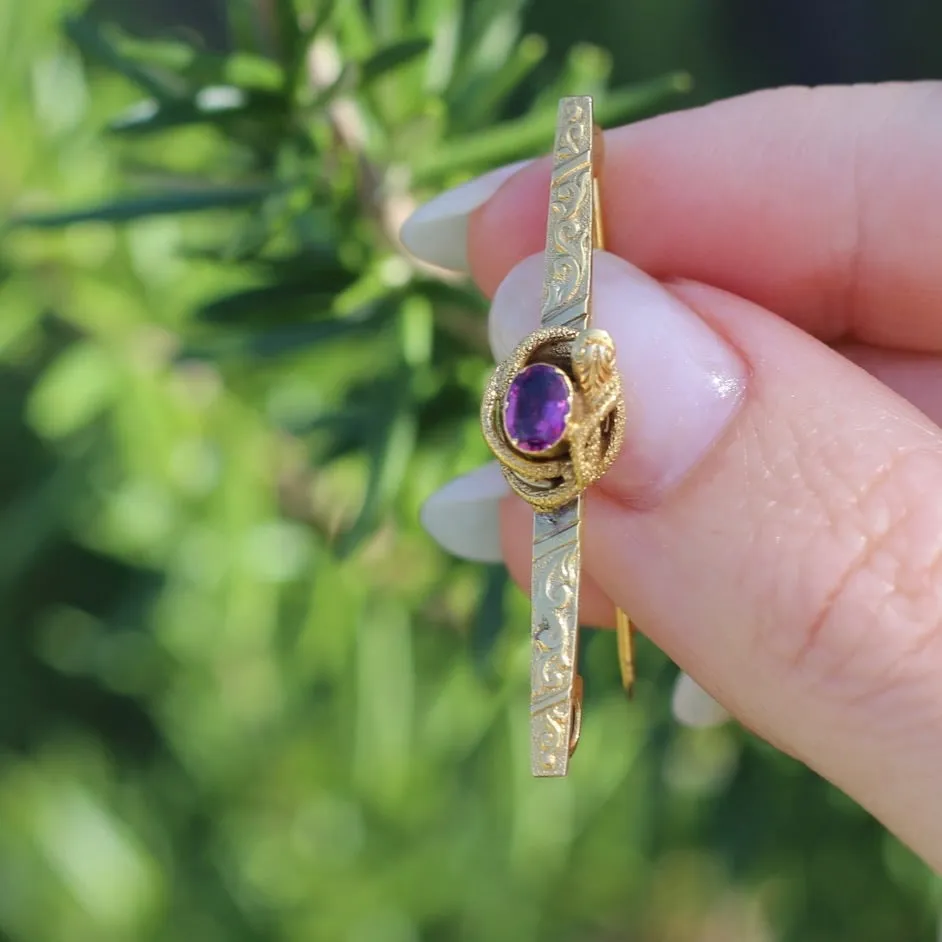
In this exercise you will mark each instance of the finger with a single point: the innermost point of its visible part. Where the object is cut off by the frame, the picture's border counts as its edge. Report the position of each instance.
(819, 204)
(698, 377)
(791, 564)
(437, 232)
(464, 515)
(915, 376)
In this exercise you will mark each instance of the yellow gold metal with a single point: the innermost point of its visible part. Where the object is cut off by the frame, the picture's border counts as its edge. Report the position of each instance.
(598, 228)
(596, 427)
(623, 629)
(626, 650)
(553, 484)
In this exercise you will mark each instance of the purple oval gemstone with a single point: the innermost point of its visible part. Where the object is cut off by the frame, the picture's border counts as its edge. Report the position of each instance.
(536, 408)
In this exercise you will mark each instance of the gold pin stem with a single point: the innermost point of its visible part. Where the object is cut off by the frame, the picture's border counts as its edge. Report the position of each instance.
(623, 629)
(626, 650)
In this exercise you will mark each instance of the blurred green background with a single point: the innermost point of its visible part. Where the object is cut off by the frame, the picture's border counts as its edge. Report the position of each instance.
(242, 696)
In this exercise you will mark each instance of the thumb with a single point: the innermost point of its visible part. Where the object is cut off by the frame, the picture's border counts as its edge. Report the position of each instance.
(773, 524)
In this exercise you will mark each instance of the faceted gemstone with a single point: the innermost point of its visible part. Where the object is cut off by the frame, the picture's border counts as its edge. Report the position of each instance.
(536, 408)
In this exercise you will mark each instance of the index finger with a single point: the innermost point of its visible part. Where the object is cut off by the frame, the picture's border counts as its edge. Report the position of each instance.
(819, 204)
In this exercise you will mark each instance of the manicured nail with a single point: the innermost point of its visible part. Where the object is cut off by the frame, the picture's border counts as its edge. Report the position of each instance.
(437, 232)
(463, 516)
(693, 706)
(683, 383)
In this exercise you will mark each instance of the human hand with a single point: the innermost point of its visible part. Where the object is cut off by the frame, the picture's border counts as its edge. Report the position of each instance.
(774, 521)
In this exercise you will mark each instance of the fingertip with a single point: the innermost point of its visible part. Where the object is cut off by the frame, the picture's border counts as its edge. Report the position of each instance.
(509, 226)
(462, 517)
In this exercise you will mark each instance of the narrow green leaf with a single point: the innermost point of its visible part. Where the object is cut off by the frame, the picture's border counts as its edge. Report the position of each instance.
(391, 57)
(166, 54)
(497, 145)
(268, 304)
(288, 39)
(367, 404)
(286, 338)
(390, 17)
(345, 83)
(149, 205)
(484, 97)
(74, 390)
(241, 68)
(490, 616)
(337, 423)
(586, 72)
(295, 68)
(443, 20)
(355, 29)
(499, 39)
(323, 14)
(90, 39)
(443, 400)
(416, 332)
(492, 27)
(249, 27)
(30, 521)
(534, 133)
(269, 343)
(198, 67)
(245, 244)
(216, 104)
(629, 104)
(389, 461)
(429, 13)
(314, 264)
(291, 338)
(385, 690)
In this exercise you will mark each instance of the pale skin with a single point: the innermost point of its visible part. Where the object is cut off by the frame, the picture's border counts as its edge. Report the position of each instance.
(796, 571)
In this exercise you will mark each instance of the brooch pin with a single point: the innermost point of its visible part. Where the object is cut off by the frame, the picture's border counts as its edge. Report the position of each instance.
(553, 414)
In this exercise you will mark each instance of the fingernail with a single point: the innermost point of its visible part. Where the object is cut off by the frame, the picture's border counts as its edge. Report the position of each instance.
(693, 706)
(463, 516)
(437, 232)
(683, 383)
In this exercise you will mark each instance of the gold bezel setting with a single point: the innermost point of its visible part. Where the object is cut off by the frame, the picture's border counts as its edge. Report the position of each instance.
(595, 427)
(557, 444)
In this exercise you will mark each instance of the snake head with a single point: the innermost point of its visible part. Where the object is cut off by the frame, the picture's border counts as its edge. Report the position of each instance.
(593, 359)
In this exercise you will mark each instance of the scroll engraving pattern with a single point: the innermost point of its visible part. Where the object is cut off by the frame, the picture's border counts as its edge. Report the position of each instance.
(556, 567)
(554, 625)
(569, 225)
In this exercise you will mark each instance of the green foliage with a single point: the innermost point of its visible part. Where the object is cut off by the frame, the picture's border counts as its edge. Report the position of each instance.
(243, 696)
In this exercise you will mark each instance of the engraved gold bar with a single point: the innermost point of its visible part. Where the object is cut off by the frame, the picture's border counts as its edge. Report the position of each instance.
(555, 685)
(574, 228)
